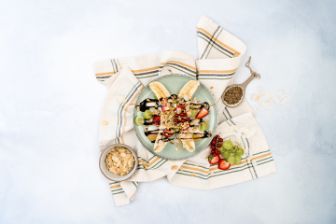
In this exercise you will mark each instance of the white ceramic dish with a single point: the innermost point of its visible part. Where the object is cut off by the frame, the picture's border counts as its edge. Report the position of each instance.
(112, 176)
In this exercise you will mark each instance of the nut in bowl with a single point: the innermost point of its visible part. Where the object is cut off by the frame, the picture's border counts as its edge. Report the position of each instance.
(118, 162)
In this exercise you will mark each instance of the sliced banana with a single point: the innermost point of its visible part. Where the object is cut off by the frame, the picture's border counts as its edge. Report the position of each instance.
(159, 145)
(189, 89)
(159, 90)
(188, 144)
(187, 92)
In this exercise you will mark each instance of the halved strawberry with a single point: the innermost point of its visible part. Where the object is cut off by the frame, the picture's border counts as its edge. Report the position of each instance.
(213, 159)
(164, 101)
(178, 110)
(156, 120)
(202, 113)
(223, 165)
(164, 108)
(168, 133)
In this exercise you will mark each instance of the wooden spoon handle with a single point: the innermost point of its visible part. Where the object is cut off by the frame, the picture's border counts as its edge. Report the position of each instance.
(249, 79)
(253, 73)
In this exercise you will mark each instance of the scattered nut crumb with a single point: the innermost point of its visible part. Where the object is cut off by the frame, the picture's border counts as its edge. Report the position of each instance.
(104, 122)
(174, 167)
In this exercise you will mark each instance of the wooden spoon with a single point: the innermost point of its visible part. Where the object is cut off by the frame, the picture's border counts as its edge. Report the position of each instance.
(239, 89)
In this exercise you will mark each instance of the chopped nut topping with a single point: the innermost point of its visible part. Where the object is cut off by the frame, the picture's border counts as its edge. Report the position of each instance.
(119, 161)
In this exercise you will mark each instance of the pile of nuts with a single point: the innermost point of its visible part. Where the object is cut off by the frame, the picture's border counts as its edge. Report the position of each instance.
(120, 161)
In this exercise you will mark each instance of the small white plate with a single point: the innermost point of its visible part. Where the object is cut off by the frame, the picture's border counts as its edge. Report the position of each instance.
(112, 176)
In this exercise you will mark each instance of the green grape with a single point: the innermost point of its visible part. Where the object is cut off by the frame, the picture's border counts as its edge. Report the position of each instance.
(235, 149)
(231, 159)
(228, 144)
(139, 120)
(148, 114)
(240, 151)
(204, 126)
(237, 159)
(226, 154)
(193, 114)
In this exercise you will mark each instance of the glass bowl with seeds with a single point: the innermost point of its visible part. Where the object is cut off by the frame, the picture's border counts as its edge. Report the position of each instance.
(118, 162)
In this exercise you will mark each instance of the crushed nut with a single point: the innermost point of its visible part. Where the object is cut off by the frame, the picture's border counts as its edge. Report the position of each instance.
(120, 161)
(174, 167)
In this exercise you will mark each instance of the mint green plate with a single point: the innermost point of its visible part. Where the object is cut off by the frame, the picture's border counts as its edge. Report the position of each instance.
(174, 83)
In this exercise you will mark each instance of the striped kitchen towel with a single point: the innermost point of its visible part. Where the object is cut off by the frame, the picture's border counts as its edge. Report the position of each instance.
(220, 54)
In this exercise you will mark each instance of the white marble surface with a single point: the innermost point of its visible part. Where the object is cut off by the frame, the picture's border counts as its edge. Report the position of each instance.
(50, 103)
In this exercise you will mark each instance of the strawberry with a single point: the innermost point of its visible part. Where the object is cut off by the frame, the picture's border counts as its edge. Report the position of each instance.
(164, 101)
(180, 109)
(213, 159)
(167, 133)
(202, 113)
(164, 108)
(156, 120)
(215, 152)
(219, 143)
(214, 141)
(223, 165)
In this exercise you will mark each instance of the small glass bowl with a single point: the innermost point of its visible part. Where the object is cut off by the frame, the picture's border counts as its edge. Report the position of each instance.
(107, 173)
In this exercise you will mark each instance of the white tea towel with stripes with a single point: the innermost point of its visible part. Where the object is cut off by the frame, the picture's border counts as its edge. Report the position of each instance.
(220, 55)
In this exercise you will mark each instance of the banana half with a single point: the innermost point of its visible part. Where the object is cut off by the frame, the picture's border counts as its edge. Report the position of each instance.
(189, 89)
(187, 142)
(160, 91)
(159, 143)
(187, 92)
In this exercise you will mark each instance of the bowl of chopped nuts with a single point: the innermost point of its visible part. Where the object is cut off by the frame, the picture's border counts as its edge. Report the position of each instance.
(118, 162)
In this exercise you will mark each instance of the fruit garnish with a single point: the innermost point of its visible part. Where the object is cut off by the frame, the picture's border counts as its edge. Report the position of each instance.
(223, 165)
(156, 120)
(214, 140)
(168, 133)
(164, 101)
(237, 159)
(215, 151)
(139, 120)
(189, 88)
(204, 126)
(159, 90)
(213, 159)
(147, 114)
(228, 144)
(202, 113)
(227, 150)
(231, 159)
(240, 151)
(225, 154)
(219, 143)
(193, 114)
